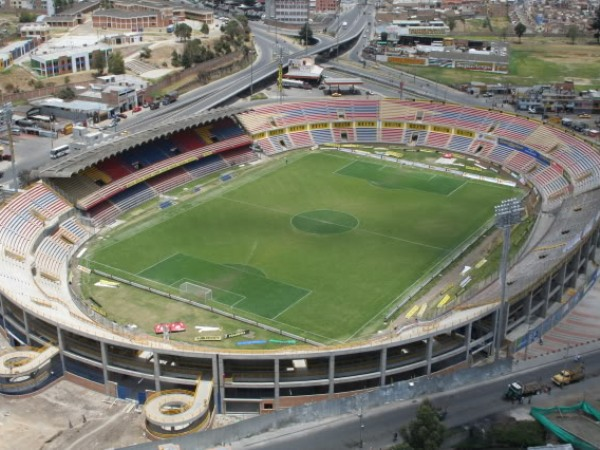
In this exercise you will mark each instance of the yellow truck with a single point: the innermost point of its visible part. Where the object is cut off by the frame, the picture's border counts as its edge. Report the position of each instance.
(568, 376)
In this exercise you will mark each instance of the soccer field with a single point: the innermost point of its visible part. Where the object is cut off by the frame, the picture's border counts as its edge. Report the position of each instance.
(322, 246)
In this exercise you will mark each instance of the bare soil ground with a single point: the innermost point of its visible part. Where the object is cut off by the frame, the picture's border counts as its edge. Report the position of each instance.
(68, 417)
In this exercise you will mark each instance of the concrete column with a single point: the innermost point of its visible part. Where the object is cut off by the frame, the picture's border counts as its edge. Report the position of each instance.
(104, 356)
(217, 383)
(528, 304)
(221, 375)
(562, 273)
(468, 335)
(382, 366)
(61, 348)
(429, 354)
(2, 312)
(276, 385)
(546, 300)
(26, 326)
(331, 375)
(156, 362)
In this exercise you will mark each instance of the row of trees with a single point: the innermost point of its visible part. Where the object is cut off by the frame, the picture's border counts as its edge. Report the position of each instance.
(235, 33)
(116, 64)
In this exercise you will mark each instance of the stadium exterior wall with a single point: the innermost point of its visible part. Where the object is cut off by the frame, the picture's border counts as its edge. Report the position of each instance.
(256, 382)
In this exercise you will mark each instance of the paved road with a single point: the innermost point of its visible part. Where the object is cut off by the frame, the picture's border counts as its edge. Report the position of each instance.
(466, 407)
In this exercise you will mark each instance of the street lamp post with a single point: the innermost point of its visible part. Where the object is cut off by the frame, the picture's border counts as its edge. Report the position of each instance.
(508, 213)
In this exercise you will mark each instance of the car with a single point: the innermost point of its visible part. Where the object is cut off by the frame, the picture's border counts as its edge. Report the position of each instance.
(122, 115)
(488, 94)
(584, 116)
(336, 94)
(531, 110)
(136, 109)
(322, 87)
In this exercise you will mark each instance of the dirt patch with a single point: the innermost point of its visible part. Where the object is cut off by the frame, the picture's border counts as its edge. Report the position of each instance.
(69, 417)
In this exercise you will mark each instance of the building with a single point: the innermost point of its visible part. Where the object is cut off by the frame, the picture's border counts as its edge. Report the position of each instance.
(37, 30)
(65, 61)
(304, 69)
(129, 20)
(75, 110)
(288, 11)
(142, 14)
(324, 6)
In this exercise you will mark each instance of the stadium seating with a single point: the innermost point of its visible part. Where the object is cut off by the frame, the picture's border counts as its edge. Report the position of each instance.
(392, 135)
(51, 256)
(187, 140)
(301, 139)
(459, 143)
(239, 156)
(366, 135)
(322, 136)
(169, 180)
(437, 140)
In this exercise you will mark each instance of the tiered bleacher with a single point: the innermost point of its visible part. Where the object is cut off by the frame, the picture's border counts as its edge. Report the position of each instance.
(546, 156)
(129, 179)
(487, 134)
(25, 216)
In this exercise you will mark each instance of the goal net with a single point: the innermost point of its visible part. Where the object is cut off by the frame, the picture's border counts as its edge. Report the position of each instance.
(196, 290)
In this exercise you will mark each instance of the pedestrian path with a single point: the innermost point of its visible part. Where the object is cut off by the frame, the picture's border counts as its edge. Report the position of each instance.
(577, 330)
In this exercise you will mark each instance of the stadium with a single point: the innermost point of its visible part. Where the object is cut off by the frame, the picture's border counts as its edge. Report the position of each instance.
(107, 215)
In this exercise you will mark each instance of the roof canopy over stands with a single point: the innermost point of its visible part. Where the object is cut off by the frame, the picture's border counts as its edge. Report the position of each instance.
(77, 161)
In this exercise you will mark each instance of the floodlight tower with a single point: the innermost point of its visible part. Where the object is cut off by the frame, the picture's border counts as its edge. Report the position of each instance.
(508, 213)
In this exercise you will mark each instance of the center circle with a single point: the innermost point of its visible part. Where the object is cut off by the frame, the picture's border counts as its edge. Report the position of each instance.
(324, 221)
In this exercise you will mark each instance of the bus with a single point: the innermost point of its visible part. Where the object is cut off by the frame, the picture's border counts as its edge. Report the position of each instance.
(57, 152)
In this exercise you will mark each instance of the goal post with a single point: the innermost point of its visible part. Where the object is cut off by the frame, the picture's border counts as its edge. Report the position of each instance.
(196, 290)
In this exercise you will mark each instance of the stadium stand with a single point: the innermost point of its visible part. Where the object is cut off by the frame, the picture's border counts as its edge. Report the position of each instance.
(39, 227)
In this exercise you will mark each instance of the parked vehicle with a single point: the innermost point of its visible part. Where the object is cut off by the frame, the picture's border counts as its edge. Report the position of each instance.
(568, 376)
(136, 109)
(516, 390)
(122, 115)
(169, 98)
(154, 105)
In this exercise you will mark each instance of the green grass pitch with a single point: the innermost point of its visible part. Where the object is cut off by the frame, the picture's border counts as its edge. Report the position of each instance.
(322, 246)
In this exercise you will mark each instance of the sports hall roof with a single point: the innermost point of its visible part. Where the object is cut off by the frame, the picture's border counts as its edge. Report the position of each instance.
(79, 160)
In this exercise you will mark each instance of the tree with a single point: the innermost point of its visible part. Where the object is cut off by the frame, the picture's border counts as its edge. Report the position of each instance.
(426, 431)
(116, 64)
(175, 59)
(145, 53)
(98, 61)
(595, 25)
(451, 23)
(520, 30)
(183, 31)
(66, 93)
(573, 33)
(204, 28)
(306, 33)
(27, 16)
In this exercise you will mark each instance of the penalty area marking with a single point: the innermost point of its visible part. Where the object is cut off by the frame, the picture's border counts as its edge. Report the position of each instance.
(294, 303)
